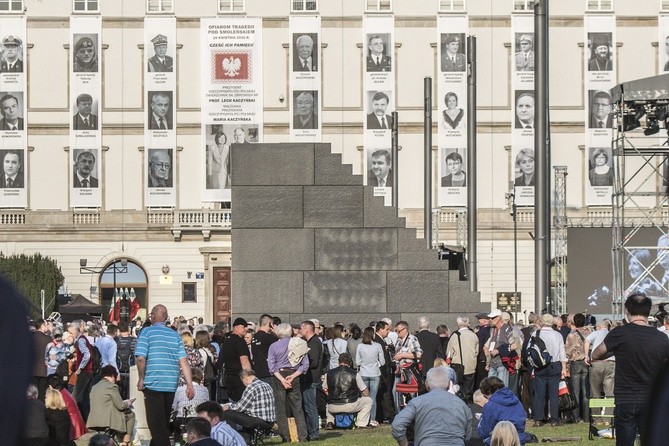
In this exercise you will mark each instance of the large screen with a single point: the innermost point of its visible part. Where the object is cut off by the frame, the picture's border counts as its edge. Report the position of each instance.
(590, 267)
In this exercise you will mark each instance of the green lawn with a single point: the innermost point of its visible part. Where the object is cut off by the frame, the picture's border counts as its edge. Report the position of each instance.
(381, 436)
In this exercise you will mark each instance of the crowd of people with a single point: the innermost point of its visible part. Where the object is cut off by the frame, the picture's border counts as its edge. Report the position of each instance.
(477, 384)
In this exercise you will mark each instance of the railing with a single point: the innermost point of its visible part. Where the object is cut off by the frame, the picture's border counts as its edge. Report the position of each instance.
(12, 218)
(212, 218)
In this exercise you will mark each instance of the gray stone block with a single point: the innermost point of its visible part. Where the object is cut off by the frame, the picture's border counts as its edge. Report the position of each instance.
(272, 250)
(285, 164)
(329, 170)
(377, 215)
(418, 291)
(356, 249)
(412, 254)
(328, 292)
(333, 207)
(268, 207)
(277, 290)
(362, 319)
(463, 300)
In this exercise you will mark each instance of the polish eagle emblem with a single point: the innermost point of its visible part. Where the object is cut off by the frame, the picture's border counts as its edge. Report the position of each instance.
(231, 66)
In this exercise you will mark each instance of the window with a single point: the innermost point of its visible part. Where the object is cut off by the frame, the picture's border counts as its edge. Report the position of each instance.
(304, 5)
(664, 5)
(378, 5)
(11, 5)
(599, 5)
(523, 5)
(86, 6)
(159, 6)
(451, 5)
(230, 6)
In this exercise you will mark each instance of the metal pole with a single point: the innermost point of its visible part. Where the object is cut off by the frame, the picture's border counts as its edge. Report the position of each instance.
(542, 159)
(113, 299)
(427, 137)
(515, 257)
(471, 162)
(395, 156)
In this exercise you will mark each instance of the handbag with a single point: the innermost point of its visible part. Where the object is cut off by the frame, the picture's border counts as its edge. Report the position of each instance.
(459, 368)
(566, 400)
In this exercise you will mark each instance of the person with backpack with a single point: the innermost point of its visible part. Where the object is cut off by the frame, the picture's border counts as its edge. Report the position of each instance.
(125, 357)
(83, 368)
(209, 359)
(547, 372)
(578, 370)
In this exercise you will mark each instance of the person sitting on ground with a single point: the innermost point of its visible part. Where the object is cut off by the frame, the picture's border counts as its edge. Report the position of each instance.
(181, 400)
(77, 423)
(57, 418)
(502, 405)
(221, 431)
(108, 410)
(256, 408)
(346, 393)
(505, 434)
(198, 431)
(477, 409)
(453, 386)
(35, 430)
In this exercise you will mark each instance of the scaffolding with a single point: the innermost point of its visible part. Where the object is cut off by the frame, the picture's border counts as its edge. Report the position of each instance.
(560, 223)
(639, 255)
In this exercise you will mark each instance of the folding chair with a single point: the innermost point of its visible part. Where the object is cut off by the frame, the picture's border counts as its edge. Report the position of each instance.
(601, 405)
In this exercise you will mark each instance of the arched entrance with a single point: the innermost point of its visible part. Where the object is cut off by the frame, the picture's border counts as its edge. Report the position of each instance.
(123, 276)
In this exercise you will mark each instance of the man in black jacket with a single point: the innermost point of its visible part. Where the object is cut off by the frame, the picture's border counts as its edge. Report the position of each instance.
(429, 343)
(384, 399)
(312, 379)
(484, 334)
(347, 393)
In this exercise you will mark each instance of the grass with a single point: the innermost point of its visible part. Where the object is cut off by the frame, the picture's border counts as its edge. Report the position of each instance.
(381, 436)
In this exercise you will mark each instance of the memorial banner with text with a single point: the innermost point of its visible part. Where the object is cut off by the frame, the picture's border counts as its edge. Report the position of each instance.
(305, 79)
(232, 100)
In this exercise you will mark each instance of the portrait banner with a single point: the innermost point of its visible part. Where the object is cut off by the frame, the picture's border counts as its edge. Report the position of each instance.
(160, 135)
(305, 79)
(378, 103)
(232, 100)
(663, 43)
(600, 77)
(13, 125)
(452, 106)
(85, 109)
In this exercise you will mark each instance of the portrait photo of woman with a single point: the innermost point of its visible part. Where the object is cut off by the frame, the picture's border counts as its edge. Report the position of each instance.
(453, 116)
(601, 172)
(525, 165)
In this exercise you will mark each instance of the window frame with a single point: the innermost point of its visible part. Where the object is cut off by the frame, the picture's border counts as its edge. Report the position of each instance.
(443, 6)
(9, 9)
(86, 9)
(664, 5)
(231, 9)
(378, 6)
(161, 4)
(599, 7)
(527, 5)
(304, 6)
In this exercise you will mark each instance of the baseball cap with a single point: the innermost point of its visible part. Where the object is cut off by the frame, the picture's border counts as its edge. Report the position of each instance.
(495, 313)
(240, 321)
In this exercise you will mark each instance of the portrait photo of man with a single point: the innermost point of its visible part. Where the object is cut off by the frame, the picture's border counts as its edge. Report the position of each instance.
(85, 119)
(378, 55)
(160, 62)
(12, 57)
(160, 168)
(12, 169)
(525, 53)
(600, 110)
(600, 52)
(524, 109)
(452, 52)
(85, 53)
(85, 170)
(160, 113)
(305, 116)
(304, 56)
(378, 119)
(380, 173)
(239, 136)
(666, 53)
(11, 112)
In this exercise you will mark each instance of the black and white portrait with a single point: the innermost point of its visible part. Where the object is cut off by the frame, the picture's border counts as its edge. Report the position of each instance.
(160, 62)
(305, 104)
(453, 52)
(378, 110)
(379, 168)
(160, 168)
(600, 109)
(453, 168)
(85, 168)
(161, 110)
(524, 57)
(85, 113)
(84, 53)
(305, 52)
(600, 46)
(12, 55)
(379, 53)
(13, 170)
(600, 169)
(524, 109)
(11, 109)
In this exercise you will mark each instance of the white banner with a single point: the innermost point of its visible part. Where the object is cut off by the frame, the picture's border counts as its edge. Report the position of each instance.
(85, 125)
(663, 46)
(13, 125)
(522, 128)
(600, 77)
(160, 136)
(379, 102)
(305, 79)
(232, 101)
(452, 106)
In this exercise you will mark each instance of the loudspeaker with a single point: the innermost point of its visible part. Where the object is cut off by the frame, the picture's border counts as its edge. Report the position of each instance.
(456, 259)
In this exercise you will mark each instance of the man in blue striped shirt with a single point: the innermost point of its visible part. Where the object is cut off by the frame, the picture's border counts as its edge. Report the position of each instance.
(159, 353)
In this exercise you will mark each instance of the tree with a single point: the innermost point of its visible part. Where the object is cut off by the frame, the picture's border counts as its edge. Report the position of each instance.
(29, 275)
